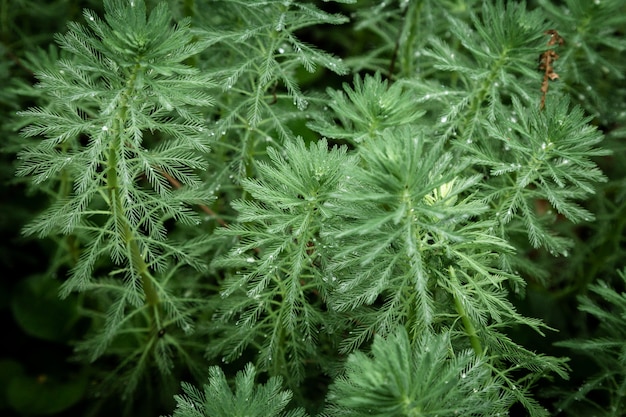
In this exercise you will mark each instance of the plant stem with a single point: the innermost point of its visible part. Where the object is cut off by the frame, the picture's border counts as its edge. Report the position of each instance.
(135, 257)
(409, 34)
(467, 323)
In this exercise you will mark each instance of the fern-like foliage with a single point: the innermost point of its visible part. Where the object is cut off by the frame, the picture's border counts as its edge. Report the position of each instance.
(497, 58)
(587, 59)
(368, 109)
(405, 222)
(543, 155)
(604, 393)
(249, 399)
(425, 376)
(414, 250)
(123, 131)
(486, 95)
(256, 57)
(276, 295)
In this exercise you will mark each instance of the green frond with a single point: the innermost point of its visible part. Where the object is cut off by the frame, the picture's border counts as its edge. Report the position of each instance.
(368, 109)
(605, 348)
(402, 225)
(587, 63)
(267, 52)
(546, 157)
(279, 240)
(248, 398)
(423, 377)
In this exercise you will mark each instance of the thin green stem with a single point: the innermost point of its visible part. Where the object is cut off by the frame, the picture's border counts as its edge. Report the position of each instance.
(410, 34)
(136, 258)
(467, 323)
(472, 117)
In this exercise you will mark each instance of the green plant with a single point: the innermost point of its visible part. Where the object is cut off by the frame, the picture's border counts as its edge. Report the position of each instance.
(605, 348)
(417, 379)
(113, 199)
(249, 399)
(399, 231)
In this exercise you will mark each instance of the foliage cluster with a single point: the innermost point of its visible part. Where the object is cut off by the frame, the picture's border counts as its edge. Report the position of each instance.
(290, 208)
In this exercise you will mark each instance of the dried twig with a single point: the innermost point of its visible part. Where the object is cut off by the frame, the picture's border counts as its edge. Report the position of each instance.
(546, 64)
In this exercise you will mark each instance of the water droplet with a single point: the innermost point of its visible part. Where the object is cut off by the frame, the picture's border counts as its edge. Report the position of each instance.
(444, 119)
(463, 375)
(105, 128)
